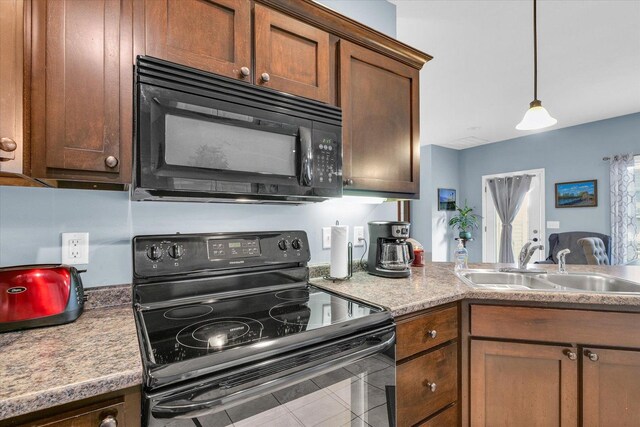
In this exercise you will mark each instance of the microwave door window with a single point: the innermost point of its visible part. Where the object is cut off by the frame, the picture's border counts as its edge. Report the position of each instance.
(207, 144)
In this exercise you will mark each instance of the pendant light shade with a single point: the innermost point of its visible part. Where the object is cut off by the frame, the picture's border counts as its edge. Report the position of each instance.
(536, 117)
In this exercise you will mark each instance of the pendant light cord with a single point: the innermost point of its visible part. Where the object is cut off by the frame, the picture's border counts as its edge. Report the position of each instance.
(535, 53)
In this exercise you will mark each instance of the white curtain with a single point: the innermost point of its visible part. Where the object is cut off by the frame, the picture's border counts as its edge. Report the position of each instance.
(624, 225)
(508, 194)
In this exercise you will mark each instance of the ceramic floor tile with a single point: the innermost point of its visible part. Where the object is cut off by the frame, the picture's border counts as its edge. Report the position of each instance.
(305, 400)
(261, 406)
(321, 410)
(333, 377)
(284, 419)
(356, 422)
(368, 365)
(377, 417)
(218, 419)
(361, 397)
(382, 378)
(296, 391)
(342, 419)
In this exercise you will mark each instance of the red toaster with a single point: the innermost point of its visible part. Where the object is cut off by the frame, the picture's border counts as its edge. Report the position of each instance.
(39, 295)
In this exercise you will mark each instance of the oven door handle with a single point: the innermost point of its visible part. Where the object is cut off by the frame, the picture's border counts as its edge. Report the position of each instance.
(190, 410)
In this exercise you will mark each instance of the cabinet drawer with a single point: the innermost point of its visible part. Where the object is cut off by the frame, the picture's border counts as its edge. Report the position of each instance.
(446, 418)
(556, 325)
(93, 415)
(427, 384)
(414, 334)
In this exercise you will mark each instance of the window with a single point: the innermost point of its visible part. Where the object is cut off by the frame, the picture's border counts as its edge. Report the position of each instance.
(637, 182)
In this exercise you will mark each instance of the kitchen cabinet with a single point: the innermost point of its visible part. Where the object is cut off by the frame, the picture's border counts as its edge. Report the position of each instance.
(427, 368)
(215, 36)
(121, 408)
(610, 387)
(11, 108)
(515, 384)
(82, 90)
(379, 97)
(521, 367)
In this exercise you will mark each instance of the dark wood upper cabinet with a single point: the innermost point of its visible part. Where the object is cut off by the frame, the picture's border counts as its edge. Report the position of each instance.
(82, 90)
(514, 384)
(211, 35)
(610, 387)
(291, 56)
(379, 98)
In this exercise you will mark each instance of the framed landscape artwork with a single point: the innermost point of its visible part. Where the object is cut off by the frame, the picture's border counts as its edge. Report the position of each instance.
(577, 194)
(446, 199)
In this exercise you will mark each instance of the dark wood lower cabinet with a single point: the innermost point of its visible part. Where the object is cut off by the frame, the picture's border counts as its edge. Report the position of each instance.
(514, 384)
(610, 387)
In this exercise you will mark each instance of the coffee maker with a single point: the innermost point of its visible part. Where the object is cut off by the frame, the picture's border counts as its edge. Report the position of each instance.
(390, 255)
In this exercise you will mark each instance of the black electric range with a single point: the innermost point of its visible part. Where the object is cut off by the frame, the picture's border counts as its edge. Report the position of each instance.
(235, 310)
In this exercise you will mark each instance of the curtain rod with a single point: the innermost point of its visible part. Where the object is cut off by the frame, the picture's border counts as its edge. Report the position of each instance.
(606, 159)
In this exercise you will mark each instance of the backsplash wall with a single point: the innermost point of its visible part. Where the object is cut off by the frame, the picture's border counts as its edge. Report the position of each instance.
(31, 219)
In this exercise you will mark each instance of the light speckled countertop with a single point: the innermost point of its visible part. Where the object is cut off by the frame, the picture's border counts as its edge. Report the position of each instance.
(96, 354)
(99, 353)
(436, 284)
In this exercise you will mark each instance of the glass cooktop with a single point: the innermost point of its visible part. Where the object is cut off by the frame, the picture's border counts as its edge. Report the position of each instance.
(189, 331)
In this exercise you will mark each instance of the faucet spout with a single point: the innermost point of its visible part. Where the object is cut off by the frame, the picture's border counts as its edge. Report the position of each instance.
(562, 260)
(526, 253)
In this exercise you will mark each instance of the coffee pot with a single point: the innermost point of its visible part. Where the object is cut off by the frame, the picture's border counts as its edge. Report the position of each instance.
(390, 254)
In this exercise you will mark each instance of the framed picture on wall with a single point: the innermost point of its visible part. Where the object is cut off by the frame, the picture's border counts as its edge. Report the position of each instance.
(446, 199)
(577, 194)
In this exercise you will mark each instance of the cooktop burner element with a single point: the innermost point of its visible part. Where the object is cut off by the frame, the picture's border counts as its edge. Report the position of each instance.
(219, 333)
(189, 312)
(293, 295)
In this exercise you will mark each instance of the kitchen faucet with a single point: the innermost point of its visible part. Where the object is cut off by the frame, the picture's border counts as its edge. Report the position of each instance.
(562, 261)
(526, 253)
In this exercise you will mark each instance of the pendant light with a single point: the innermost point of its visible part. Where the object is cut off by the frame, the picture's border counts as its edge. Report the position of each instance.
(536, 116)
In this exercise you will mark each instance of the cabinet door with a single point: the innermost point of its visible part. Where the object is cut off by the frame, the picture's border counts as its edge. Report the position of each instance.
(515, 384)
(380, 106)
(611, 388)
(211, 35)
(291, 56)
(82, 90)
(11, 34)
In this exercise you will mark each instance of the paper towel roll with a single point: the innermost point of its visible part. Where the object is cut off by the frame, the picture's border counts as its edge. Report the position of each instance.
(339, 252)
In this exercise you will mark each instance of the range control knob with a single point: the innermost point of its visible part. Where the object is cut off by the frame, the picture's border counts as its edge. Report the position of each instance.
(296, 244)
(283, 245)
(154, 253)
(175, 251)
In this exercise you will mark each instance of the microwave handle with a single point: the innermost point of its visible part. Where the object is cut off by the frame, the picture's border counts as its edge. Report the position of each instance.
(306, 157)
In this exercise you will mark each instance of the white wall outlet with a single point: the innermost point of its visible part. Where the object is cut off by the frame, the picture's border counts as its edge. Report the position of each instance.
(75, 248)
(358, 235)
(326, 237)
(553, 225)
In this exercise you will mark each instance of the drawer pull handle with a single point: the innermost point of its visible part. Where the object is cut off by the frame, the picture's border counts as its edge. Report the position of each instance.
(432, 334)
(592, 356)
(570, 354)
(265, 77)
(431, 386)
(245, 71)
(109, 421)
(8, 144)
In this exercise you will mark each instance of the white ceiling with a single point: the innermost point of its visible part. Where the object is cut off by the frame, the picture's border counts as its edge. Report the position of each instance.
(480, 82)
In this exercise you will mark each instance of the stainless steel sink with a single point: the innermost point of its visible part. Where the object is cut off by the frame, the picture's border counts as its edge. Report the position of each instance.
(569, 282)
(505, 280)
(592, 282)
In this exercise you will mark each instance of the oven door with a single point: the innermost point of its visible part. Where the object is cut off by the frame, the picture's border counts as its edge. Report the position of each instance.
(351, 381)
(189, 144)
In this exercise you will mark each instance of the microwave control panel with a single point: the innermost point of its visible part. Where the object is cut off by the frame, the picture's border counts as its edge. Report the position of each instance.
(326, 152)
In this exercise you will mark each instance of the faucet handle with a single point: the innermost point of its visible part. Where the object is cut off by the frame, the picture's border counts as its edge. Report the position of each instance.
(564, 252)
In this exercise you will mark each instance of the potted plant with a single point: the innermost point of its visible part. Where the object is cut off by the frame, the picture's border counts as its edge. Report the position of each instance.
(465, 220)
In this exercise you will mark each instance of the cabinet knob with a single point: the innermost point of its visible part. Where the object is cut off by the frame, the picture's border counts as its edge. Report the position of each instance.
(431, 386)
(571, 354)
(245, 71)
(8, 144)
(265, 77)
(109, 421)
(111, 162)
(592, 356)
(432, 333)
(348, 182)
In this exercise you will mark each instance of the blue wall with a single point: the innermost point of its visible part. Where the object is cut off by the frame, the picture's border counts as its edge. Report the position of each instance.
(569, 154)
(31, 219)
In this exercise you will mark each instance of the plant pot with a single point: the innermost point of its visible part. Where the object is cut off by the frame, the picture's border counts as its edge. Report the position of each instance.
(465, 235)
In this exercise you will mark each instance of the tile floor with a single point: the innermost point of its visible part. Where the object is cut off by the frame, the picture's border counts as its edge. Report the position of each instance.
(351, 396)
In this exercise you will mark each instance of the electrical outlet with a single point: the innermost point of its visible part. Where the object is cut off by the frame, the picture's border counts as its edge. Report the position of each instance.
(75, 248)
(326, 237)
(358, 236)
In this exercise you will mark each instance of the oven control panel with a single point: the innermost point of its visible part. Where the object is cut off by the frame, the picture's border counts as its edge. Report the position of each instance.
(161, 255)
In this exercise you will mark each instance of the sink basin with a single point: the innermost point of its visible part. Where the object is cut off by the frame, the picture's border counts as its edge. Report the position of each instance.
(505, 281)
(592, 282)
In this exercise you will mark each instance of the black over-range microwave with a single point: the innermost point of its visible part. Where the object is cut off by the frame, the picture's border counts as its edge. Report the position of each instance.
(204, 137)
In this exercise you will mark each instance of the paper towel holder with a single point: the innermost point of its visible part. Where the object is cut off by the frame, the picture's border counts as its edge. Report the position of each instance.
(349, 263)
